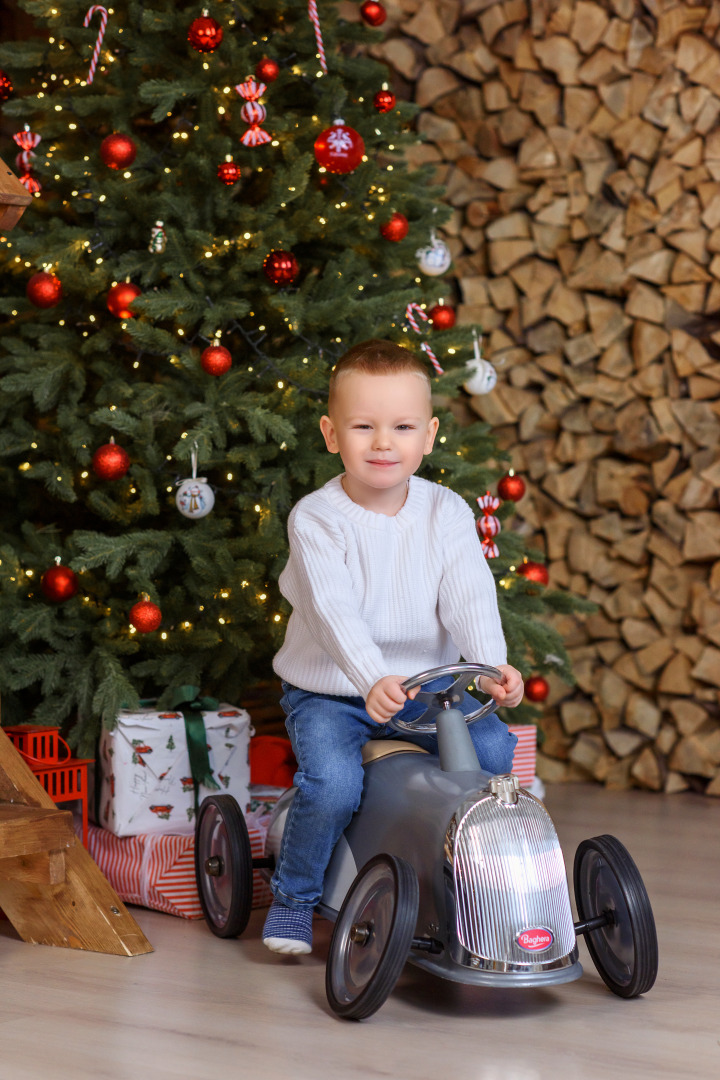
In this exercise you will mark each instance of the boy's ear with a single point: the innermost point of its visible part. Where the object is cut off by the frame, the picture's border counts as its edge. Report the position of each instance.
(431, 433)
(328, 430)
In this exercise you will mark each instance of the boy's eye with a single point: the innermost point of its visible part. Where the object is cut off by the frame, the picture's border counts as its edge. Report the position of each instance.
(406, 427)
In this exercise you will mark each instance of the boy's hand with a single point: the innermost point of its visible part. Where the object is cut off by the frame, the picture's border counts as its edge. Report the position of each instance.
(387, 698)
(509, 692)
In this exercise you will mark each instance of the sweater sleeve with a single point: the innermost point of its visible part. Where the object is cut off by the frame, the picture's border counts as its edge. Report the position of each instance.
(467, 601)
(322, 594)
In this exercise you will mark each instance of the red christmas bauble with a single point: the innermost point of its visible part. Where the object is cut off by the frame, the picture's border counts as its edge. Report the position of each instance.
(536, 688)
(6, 86)
(267, 70)
(281, 267)
(145, 616)
(59, 583)
(216, 360)
(119, 298)
(442, 316)
(339, 148)
(205, 34)
(110, 461)
(396, 228)
(384, 101)
(511, 487)
(228, 172)
(374, 14)
(44, 290)
(118, 151)
(534, 571)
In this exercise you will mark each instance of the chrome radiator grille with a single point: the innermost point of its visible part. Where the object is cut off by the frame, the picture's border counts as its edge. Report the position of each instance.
(510, 876)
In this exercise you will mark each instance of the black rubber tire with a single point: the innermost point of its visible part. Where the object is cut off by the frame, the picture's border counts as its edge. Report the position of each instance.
(386, 893)
(625, 953)
(226, 899)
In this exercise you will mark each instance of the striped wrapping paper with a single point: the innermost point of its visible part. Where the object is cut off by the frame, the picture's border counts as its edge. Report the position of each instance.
(159, 871)
(525, 752)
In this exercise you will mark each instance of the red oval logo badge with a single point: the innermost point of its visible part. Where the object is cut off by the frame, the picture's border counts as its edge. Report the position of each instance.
(536, 940)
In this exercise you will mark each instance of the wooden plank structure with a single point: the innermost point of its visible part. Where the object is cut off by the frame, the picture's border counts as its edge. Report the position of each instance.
(579, 145)
(13, 198)
(51, 890)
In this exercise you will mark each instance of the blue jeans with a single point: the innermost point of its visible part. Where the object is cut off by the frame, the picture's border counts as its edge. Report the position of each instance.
(327, 735)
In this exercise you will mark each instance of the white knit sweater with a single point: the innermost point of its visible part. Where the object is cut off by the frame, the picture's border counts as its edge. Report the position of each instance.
(374, 595)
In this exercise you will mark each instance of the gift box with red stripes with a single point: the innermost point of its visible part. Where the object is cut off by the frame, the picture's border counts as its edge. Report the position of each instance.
(159, 871)
(525, 756)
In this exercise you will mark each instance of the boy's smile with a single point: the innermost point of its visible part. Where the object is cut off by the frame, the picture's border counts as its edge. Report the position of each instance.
(382, 426)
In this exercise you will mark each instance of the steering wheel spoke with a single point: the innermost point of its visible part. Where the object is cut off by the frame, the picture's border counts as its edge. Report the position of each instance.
(438, 701)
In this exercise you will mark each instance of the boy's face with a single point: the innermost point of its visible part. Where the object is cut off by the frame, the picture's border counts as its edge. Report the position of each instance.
(381, 425)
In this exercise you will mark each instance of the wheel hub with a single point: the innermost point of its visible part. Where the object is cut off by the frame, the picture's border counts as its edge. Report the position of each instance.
(360, 933)
(215, 866)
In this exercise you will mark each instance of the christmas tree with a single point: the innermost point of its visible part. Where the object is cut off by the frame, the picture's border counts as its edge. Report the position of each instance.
(221, 209)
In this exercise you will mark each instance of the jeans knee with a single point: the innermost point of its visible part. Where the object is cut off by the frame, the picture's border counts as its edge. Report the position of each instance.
(496, 748)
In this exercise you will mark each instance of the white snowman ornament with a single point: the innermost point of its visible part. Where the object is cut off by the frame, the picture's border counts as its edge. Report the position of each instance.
(195, 498)
(483, 376)
(436, 258)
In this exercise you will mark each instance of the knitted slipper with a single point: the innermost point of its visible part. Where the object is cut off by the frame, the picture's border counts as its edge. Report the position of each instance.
(288, 930)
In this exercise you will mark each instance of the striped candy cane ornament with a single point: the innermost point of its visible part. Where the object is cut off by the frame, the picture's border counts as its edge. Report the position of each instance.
(27, 140)
(423, 345)
(101, 34)
(315, 20)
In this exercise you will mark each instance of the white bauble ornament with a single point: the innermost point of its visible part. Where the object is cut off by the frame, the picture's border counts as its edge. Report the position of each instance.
(195, 498)
(483, 376)
(435, 259)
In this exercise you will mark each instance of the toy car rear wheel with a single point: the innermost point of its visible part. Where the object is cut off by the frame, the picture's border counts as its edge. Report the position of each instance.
(372, 937)
(223, 865)
(625, 950)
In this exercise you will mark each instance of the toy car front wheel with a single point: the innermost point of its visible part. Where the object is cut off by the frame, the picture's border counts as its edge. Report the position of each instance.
(608, 883)
(223, 865)
(372, 937)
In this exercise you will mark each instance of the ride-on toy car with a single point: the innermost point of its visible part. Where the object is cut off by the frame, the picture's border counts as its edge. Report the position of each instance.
(446, 866)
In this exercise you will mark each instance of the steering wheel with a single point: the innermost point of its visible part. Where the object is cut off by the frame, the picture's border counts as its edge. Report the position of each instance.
(445, 699)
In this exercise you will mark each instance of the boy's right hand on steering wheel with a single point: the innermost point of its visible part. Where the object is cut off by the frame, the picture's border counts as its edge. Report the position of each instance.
(387, 698)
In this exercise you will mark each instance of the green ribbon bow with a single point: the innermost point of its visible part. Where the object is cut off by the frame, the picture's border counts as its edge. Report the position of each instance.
(185, 699)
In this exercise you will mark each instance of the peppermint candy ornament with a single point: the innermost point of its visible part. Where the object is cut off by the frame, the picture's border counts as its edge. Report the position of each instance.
(435, 259)
(252, 112)
(483, 376)
(488, 526)
(27, 140)
(195, 498)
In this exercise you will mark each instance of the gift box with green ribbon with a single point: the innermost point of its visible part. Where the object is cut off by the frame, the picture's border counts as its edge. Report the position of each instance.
(158, 765)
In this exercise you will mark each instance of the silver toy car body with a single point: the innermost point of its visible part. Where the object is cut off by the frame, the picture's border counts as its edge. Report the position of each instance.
(459, 872)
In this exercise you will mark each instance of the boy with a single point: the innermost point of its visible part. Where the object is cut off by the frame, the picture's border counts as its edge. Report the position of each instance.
(386, 578)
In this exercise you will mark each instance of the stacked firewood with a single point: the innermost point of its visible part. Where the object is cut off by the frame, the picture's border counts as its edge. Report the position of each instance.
(579, 143)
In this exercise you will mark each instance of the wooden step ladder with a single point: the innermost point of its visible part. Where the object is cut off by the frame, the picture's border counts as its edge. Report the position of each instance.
(51, 890)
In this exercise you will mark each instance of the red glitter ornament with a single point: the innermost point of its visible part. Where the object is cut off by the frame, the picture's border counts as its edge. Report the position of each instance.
(384, 101)
(216, 360)
(110, 462)
(267, 70)
(205, 34)
(536, 688)
(534, 571)
(281, 267)
(511, 487)
(442, 316)
(6, 86)
(59, 583)
(339, 148)
(145, 616)
(118, 151)
(44, 290)
(396, 228)
(119, 298)
(228, 172)
(373, 14)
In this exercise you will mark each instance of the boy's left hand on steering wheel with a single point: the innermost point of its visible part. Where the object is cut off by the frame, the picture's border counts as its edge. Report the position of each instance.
(509, 692)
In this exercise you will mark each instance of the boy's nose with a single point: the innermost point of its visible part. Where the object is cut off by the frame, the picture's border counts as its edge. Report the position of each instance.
(382, 440)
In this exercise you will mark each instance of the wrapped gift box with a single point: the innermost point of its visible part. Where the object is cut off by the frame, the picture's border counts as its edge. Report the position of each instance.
(147, 786)
(525, 755)
(159, 871)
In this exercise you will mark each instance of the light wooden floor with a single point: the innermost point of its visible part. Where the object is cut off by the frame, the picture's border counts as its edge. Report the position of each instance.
(208, 1009)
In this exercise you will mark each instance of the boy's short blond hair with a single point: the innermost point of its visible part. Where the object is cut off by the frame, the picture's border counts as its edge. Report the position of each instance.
(377, 357)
